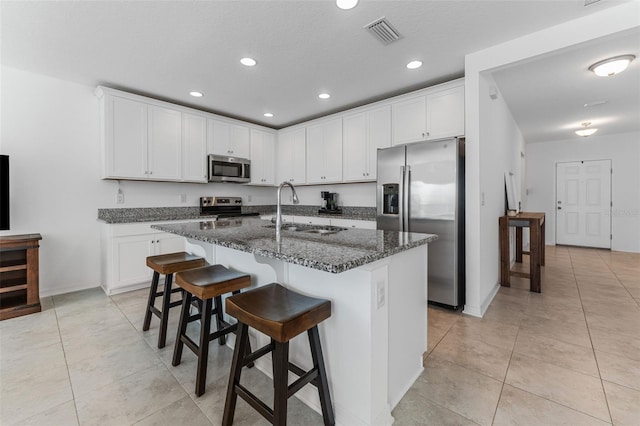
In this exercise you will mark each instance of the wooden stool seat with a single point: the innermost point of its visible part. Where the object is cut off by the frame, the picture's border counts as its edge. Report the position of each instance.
(208, 284)
(277, 312)
(281, 314)
(166, 264)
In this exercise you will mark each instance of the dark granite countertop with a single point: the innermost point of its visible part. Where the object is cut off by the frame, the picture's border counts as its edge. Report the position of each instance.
(335, 253)
(161, 214)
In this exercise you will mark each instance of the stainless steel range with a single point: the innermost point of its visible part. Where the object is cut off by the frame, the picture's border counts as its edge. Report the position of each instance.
(222, 207)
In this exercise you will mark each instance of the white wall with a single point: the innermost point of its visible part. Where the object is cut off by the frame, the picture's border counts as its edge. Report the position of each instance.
(624, 152)
(482, 253)
(349, 194)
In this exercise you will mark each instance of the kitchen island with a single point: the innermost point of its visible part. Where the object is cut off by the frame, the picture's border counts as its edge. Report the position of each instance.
(377, 282)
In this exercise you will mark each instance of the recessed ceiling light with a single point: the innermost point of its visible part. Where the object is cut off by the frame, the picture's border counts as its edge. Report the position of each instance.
(268, 114)
(324, 96)
(612, 66)
(249, 62)
(586, 131)
(196, 94)
(414, 64)
(346, 4)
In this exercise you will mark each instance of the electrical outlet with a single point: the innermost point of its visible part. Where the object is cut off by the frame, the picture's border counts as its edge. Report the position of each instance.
(380, 294)
(183, 198)
(120, 197)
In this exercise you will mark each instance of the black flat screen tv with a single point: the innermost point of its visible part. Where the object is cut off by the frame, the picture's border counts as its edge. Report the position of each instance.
(4, 192)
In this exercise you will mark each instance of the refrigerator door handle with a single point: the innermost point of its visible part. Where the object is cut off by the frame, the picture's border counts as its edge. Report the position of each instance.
(407, 197)
(401, 196)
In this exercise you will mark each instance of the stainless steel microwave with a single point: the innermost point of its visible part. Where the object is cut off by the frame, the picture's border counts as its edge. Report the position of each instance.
(229, 169)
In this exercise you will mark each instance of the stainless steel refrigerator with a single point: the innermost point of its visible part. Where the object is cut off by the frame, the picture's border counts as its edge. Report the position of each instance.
(421, 189)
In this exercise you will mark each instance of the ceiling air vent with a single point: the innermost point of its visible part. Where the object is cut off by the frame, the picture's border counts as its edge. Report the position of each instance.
(588, 2)
(383, 31)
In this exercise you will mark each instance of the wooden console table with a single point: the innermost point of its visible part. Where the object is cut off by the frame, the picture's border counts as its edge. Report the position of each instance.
(19, 292)
(535, 223)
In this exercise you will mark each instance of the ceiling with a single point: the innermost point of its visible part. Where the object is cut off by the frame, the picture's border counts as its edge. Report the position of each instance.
(303, 48)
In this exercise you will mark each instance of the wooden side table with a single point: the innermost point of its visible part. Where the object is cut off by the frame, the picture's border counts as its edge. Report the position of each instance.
(536, 225)
(19, 277)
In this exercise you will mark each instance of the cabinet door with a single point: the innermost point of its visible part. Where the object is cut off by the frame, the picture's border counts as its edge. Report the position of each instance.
(315, 154)
(333, 150)
(169, 243)
(194, 146)
(355, 147)
(445, 113)
(218, 137)
(379, 136)
(240, 141)
(299, 156)
(129, 260)
(262, 157)
(409, 120)
(125, 127)
(164, 144)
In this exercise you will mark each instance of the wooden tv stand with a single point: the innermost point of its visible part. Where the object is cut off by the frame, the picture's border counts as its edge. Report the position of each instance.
(19, 292)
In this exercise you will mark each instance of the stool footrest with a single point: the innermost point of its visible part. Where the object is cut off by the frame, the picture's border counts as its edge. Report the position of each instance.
(300, 372)
(190, 343)
(249, 358)
(230, 328)
(176, 303)
(155, 311)
(308, 377)
(255, 402)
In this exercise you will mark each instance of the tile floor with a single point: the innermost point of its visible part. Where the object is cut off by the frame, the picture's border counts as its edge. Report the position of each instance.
(570, 355)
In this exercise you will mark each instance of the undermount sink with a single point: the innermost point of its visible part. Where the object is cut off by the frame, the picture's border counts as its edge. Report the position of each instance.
(311, 229)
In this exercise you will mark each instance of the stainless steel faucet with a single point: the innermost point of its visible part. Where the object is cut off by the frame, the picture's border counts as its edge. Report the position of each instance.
(279, 207)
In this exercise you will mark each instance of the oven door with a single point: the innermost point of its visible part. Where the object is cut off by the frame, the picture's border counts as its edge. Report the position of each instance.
(229, 169)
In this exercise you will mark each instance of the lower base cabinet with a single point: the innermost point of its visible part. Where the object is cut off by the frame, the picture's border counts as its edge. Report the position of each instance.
(125, 250)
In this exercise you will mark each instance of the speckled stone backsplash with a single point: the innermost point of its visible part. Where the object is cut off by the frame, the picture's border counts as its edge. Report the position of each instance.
(153, 214)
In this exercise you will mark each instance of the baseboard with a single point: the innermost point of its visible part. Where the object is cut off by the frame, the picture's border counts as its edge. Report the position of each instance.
(67, 289)
(479, 311)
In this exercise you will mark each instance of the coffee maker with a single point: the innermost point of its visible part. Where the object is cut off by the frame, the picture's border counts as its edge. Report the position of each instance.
(329, 203)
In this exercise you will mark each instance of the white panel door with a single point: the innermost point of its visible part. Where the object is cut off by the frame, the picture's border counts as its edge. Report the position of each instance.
(583, 203)
(194, 147)
(126, 138)
(164, 143)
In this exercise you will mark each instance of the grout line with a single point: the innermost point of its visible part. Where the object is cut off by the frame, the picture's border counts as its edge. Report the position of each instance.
(66, 363)
(606, 399)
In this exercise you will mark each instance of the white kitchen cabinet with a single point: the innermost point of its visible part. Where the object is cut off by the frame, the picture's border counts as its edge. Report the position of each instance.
(363, 134)
(125, 249)
(291, 156)
(409, 120)
(263, 146)
(124, 137)
(228, 139)
(194, 148)
(164, 138)
(445, 113)
(324, 152)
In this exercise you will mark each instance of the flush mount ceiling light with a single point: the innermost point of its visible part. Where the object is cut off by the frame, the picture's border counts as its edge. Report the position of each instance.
(346, 4)
(414, 64)
(248, 62)
(324, 96)
(586, 131)
(268, 114)
(612, 66)
(196, 94)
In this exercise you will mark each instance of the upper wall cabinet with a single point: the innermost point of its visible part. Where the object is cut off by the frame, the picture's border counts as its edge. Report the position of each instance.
(263, 146)
(291, 158)
(228, 139)
(363, 134)
(445, 113)
(409, 120)
(324, 152)
(194, 148)
(140, 141)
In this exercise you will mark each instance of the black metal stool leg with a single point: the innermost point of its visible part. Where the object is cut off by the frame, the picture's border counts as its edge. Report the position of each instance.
(203, 348)
(234, 375)
(150, 302)
(182, 329)
(164, 316)
(323, 384)
(219, 319)
(280, 383)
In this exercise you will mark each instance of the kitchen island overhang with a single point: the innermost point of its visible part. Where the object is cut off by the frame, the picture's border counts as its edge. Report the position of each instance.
(377, 282)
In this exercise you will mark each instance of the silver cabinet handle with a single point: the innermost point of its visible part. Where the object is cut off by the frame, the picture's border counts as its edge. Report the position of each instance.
(559, 208)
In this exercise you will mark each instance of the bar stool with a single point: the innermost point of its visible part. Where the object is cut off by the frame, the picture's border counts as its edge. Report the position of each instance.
(281, 314)
(207, 284)
(166, 264)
